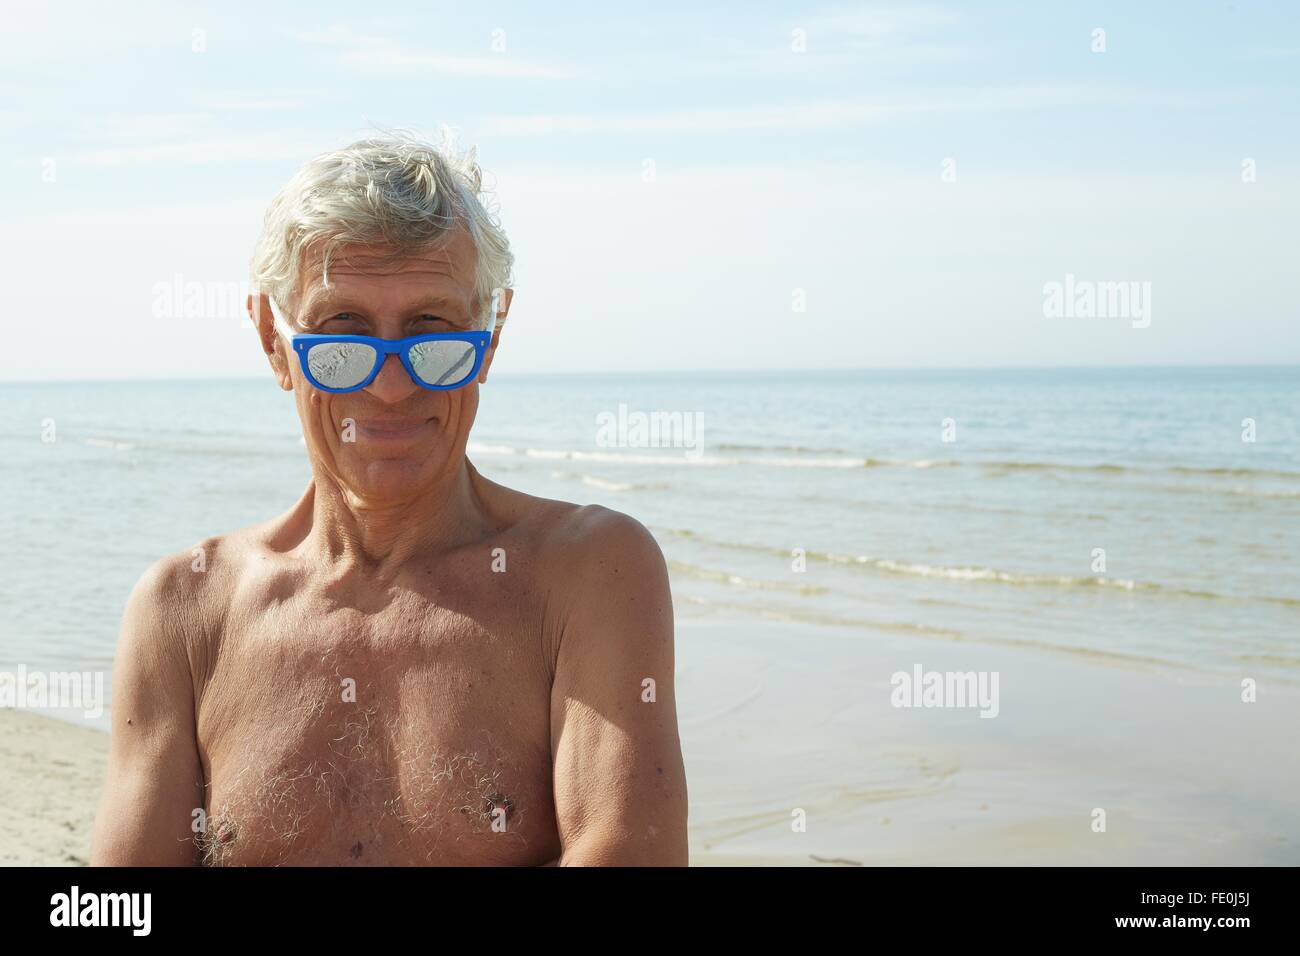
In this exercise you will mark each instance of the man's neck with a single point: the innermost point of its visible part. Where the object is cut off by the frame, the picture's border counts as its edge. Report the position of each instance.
(381, 535)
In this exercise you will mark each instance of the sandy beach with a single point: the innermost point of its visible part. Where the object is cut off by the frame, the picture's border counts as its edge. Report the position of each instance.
(51, 772)
(778, 718)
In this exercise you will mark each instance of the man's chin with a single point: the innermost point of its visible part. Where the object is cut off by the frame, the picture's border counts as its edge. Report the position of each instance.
(390, 473)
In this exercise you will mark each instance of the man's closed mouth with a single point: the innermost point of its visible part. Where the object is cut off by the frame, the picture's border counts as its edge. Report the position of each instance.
(376, 429)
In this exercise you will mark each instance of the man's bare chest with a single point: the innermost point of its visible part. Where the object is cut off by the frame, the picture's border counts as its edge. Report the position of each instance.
(412, 733)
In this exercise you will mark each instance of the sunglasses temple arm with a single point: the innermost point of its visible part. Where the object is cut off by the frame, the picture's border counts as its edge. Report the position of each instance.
(493, 310)
(281, 323)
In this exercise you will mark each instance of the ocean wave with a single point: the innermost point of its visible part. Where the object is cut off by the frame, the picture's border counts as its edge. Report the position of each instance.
(809, 616)
(255, 447)
(801, 449)
(489, 449)
(736, 580)
(1236, 491)
(108, 443)
(687, 457)
(801, 456)
(962, 507)
(558, 454)
(1277, 660)
(981, 574)
(1236, 472)
(683, 458)
(604, 484)
(833, 620)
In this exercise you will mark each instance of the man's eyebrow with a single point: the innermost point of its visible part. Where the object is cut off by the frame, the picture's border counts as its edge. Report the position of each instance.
(434, 302)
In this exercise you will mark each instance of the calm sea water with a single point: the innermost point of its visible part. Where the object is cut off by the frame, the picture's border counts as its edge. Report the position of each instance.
(985, 530)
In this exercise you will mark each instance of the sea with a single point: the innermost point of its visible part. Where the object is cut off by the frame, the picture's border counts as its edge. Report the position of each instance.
(1144, 516)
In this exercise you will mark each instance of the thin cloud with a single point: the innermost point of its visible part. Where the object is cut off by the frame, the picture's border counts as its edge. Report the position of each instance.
(826, 39)
(260, 100)
(880, 23)
(373, 54)
(142, 126)
(209, 151)
(825, 114)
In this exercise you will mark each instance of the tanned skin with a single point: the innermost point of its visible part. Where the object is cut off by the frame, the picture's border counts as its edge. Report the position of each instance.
(413, 664)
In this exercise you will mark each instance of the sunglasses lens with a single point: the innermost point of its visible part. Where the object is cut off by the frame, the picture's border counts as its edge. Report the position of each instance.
(443, 363)
(340, 364)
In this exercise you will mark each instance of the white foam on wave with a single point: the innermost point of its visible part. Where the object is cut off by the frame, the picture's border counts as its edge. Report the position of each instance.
(993, 468)
(489, 449)
(602, 483)
(680, 458)
(109, 443)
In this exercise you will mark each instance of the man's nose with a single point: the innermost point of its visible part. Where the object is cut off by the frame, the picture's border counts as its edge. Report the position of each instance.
(392, 384)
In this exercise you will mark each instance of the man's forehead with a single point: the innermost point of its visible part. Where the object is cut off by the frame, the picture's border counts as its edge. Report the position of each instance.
(445, 271)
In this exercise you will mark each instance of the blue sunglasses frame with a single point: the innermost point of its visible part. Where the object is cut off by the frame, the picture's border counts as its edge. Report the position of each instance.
(302, 343)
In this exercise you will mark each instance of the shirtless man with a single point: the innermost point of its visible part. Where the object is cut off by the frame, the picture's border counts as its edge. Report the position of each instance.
(413, 664)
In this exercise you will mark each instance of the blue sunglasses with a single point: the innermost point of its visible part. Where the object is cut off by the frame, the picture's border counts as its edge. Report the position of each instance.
(346, 363)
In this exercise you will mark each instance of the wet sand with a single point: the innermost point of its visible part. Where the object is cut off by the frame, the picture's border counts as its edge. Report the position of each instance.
(778, 718)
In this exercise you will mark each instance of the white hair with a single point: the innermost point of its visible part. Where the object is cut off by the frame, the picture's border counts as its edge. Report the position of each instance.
(395, 190)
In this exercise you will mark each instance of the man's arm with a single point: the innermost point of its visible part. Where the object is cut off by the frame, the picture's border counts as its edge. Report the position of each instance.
(155, 780)
(620, 788)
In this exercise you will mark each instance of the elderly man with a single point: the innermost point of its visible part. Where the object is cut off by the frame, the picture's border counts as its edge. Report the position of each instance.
(413, 664)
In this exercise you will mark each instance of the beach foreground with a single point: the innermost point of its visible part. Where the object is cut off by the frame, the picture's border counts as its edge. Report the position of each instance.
(778, 718)
(51, 775)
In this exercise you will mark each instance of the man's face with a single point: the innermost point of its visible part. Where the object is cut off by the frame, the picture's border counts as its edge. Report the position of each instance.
(390, 440)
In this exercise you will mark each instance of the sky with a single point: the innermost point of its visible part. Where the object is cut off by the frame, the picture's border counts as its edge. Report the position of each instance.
(685, 186)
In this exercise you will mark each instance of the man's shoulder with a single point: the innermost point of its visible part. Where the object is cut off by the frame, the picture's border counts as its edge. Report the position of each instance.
(574, 537)
(597, 536)
(180, 583)
(578, 536)
(603, 561)
(583, 549)
(610, 601)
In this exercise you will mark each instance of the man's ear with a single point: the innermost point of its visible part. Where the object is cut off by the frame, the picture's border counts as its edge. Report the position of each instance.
(503, 309)
(259, 310)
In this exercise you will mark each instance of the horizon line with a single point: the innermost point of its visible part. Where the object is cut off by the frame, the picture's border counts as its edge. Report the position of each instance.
(589, 373)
